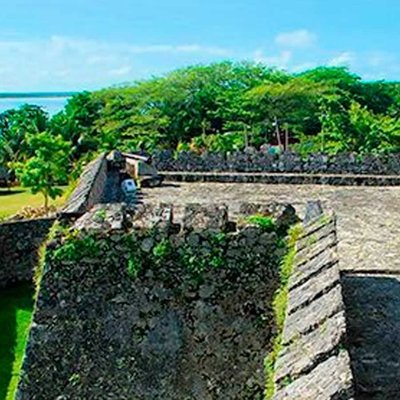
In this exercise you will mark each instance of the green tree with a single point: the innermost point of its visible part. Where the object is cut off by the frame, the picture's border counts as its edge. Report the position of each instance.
(221, 105)
(15, 125)
(356, 130)
(292, 106)
(77, 123)
(47, 167)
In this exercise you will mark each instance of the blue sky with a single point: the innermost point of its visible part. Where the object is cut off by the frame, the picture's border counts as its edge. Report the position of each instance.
(89, 44)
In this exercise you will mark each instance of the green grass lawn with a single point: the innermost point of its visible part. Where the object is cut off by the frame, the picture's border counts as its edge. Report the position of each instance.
(16, 305)
(18, 197)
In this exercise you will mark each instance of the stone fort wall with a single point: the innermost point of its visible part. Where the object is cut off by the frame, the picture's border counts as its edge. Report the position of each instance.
(90, 188)
(313, 362)
(258, 161)
(19, 248)
(148, 308)
(20, 240)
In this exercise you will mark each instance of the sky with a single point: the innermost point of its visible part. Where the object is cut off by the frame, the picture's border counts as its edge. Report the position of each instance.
(56, 45)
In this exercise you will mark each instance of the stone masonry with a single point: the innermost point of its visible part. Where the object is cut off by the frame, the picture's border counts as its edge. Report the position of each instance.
(90, 188)
(195, 321)
(258, 161)
(19, 247)
(314, 363)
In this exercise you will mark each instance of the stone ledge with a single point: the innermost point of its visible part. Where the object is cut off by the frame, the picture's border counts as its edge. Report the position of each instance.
(303, 272)
(90, 188)
(321, 283)
(315, 235)
(314, 249)
(310, 317)
(313, 362)
(331, 379)
(283, 179)
(302, 354)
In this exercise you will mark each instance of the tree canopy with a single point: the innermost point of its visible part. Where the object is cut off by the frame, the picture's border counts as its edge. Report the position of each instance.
(226, 106)
(218, 107)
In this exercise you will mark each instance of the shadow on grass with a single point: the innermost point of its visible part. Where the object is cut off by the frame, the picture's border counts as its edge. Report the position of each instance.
(5, 192)
(16, 304)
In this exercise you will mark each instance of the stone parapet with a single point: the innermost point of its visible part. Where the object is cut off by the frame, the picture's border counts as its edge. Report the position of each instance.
(258, 161)
(90, 188)
(313, 362)
(283, 178)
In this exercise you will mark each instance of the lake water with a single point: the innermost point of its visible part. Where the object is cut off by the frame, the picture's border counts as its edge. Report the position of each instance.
(51, 104)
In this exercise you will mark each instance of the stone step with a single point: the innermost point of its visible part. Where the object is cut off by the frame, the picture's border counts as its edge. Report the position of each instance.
(302, 354)
(329, 380)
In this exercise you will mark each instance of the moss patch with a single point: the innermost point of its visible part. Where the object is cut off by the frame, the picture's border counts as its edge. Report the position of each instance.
(262, 221)
(279, 306)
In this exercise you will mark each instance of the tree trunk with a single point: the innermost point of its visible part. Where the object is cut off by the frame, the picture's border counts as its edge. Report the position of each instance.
(246, 138)
(278, 133)
(286, 138)
(46, 203)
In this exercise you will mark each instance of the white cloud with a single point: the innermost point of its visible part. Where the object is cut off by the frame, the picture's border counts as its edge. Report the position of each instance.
(122, 71)
(380, 59)
(283, 60)
(344, 59)
(280, 60)
(303, 67)
(60, 62)
(296, 39)
(187, 48)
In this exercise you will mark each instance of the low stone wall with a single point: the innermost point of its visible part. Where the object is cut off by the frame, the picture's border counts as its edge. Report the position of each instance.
(283, 178)
(257, 161)
(19, 245)
(145, 308)
(314, 363)
(90, 188)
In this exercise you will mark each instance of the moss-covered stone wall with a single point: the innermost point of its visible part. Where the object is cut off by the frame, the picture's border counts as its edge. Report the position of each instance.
(144, 308)
(19, 248)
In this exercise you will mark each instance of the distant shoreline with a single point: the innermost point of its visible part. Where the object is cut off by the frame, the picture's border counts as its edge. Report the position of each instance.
(36, 95)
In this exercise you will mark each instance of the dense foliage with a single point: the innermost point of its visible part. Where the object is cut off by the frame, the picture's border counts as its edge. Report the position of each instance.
(47, 167)
(219, 107)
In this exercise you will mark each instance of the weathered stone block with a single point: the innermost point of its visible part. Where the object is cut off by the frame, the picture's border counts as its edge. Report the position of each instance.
(332, 379)
(306, 351)
(313, 288)
(211, 217)
(315, 248)
(323, 260)
(307, 318)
